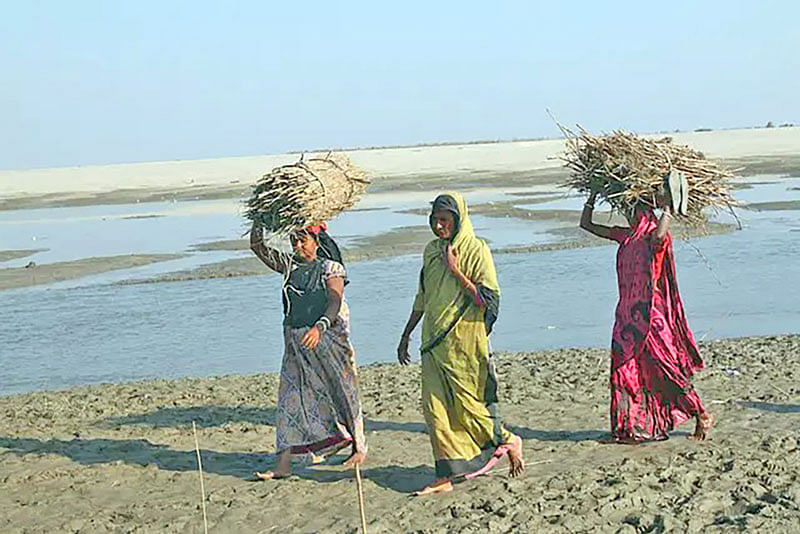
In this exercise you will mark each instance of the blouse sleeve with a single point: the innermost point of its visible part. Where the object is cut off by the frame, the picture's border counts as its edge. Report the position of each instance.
(333, 269)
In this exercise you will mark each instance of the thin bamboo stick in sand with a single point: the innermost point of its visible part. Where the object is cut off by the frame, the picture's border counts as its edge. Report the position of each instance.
(361, 500)
(200, 470)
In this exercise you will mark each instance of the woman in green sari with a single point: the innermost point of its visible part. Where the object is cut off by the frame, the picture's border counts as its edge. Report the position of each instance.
(458, 298)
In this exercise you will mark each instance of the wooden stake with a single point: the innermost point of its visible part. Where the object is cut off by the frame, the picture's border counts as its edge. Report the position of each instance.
(361, 500)
(200, 470)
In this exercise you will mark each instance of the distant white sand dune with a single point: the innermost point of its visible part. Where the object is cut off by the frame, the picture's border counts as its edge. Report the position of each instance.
(388, 162)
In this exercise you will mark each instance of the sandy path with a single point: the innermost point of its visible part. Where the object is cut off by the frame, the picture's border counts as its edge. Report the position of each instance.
(120, 458)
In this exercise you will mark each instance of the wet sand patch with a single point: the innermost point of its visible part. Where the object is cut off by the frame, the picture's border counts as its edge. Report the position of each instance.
(224, 244)
(462, 180)
(785, 165)
(121, 456)
(126, 196)
(405, 241)
(151, 216)
(67, 270)
(8, 255)
(777, 205)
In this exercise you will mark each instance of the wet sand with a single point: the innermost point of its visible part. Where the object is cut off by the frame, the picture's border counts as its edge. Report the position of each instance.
(115, 458)
(68, 270)
(8, 255)
(412, 240)
(778, 205)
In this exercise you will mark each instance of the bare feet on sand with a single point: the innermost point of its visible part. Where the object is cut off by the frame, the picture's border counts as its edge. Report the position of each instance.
(283, 469)
(357, 458)
(442, 485)
(703, 427)
(271, 475)
(515, 456)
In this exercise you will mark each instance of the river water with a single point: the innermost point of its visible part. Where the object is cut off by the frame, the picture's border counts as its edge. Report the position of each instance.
(90, 330)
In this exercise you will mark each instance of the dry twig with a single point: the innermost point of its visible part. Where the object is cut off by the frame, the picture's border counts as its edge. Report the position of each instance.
(628, 171)
(311, 191)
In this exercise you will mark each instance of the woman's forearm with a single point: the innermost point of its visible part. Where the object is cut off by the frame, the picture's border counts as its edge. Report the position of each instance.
(663, 224)
(333, 307)
(470, 287)
(411, 324)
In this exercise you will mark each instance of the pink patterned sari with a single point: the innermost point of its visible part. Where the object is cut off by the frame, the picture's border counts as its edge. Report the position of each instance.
(653, 352)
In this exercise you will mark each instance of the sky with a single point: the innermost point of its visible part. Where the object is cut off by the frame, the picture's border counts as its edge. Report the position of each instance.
(87, 82)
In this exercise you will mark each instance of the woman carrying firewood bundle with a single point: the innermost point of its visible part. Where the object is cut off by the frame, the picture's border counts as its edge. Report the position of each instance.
(318, 405)
(653, 351)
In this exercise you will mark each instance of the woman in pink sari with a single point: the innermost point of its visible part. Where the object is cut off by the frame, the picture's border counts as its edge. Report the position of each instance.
(653, 352)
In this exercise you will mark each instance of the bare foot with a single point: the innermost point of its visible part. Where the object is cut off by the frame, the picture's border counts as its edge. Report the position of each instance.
(357, 458)
(271, 475)
(283, 470)
(703, 427)
(515, 456)
(443, 485)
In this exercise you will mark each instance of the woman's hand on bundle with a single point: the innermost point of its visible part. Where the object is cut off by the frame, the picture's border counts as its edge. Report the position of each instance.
(311, 338)
(402, 351)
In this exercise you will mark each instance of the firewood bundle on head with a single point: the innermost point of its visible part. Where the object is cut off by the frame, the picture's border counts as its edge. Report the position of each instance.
(311, 191)
(628, 171)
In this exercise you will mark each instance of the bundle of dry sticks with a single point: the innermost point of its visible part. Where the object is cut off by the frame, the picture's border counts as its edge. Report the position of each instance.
(628, 170)
(311, 191)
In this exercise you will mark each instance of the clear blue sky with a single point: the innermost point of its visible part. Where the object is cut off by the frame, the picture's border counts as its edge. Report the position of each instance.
(100, 82)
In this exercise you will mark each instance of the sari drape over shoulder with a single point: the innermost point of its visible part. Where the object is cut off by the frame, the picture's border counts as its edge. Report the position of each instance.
(653, 351)
(459, 386)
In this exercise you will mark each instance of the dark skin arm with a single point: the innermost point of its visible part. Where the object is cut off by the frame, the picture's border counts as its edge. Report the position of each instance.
(272, 258)
(451, 261)
(335, 296)
(402, 349)
(599, 230)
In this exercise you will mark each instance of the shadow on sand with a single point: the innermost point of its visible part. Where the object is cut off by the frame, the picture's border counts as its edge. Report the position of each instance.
(240, 465)
(213, 416)
(771, 407)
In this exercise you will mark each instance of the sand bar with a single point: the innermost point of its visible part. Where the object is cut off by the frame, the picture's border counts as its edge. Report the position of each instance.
(238, 172)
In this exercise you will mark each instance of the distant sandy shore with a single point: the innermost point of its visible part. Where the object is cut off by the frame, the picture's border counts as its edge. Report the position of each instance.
(7, 255)
(427, 167)
(68, 270)
(120, 458)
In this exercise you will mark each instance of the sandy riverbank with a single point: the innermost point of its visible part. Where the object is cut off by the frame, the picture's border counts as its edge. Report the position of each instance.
(48, 273)
(406, 168)
(120, 457)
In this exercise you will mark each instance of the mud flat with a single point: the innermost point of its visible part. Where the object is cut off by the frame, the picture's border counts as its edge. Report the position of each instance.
(120, 457)
(48, 273)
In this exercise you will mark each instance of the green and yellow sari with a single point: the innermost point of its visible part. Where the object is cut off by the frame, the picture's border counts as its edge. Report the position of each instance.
(459, 387)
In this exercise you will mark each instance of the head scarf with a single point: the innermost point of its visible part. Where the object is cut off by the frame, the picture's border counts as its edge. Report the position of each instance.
(446, 203)
(443, 299)
(328, 249)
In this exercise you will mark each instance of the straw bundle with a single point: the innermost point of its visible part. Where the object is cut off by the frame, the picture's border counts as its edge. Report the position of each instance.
(628, 170)
(311, 191)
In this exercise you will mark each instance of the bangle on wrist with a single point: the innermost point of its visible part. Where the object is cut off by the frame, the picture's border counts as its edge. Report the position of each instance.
(323, 324)
(589, 205)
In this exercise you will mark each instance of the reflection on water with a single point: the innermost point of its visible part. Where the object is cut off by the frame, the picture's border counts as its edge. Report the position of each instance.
(58, 336)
